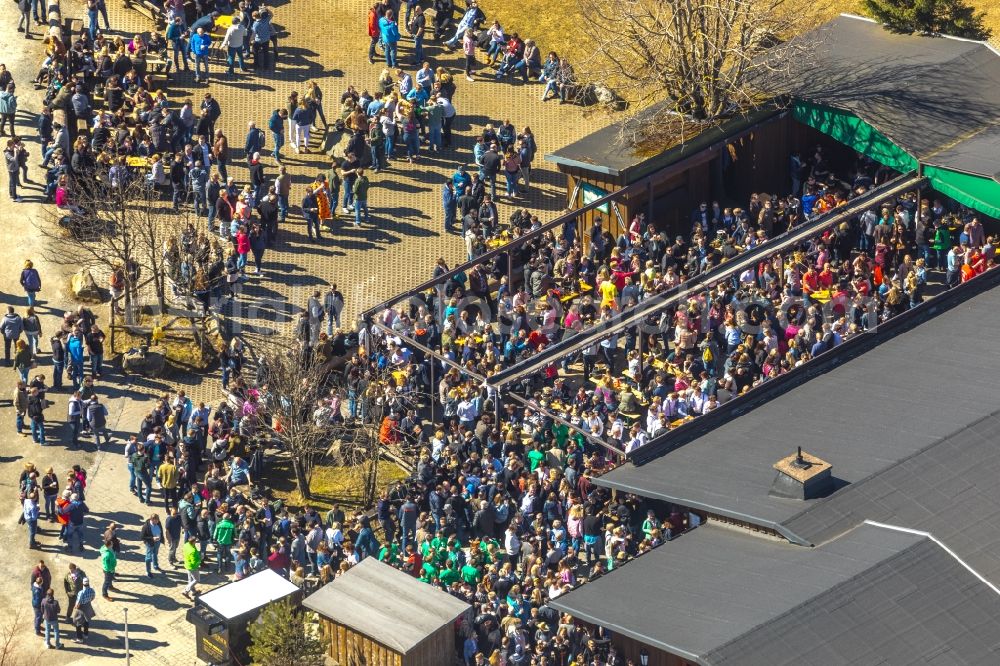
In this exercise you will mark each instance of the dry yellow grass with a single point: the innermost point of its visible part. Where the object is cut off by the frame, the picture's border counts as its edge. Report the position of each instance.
(556, 25)
(330, 485)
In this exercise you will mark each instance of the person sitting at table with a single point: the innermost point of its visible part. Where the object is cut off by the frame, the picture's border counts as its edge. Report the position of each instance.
(64, 200)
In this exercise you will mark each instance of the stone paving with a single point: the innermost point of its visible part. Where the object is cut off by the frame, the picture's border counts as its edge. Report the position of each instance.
(326, 42)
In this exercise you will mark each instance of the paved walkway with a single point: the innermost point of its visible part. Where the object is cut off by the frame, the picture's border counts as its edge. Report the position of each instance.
(328, 43)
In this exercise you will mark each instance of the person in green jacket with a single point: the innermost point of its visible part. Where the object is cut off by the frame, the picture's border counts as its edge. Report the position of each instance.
(109, 561)
(192, 563)
(941, 243)
(449, 575)
(224, 533)
(360, 197)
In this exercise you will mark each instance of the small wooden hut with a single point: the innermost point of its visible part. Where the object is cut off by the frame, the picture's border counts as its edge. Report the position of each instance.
(375, 615)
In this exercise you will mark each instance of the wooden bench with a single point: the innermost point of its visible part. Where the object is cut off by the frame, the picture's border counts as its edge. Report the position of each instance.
(82, 127)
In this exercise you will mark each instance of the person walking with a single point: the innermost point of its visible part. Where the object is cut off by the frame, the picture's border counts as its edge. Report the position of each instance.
(84, 611)
(24, 6)
(192, 564)
(73, 583)
(233, 44)
(11, 328)
(277, 126)
(152, 537)
(50, 615)
(31, 282)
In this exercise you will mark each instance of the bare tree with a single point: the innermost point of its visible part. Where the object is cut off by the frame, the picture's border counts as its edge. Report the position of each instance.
(115, 227)
(11, 651)
(294, 384)
(685, 64)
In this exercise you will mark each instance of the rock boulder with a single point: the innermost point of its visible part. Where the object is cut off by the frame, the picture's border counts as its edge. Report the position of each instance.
(85, 287)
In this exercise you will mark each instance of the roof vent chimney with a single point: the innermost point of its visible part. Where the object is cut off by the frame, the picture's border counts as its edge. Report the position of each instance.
(802, 476)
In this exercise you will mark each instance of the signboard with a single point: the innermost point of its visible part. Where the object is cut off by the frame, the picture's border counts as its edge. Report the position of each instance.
(591, 194)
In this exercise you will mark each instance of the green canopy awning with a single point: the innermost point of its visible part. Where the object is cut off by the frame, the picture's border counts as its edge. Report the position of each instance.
(982, 194)
(852, 131)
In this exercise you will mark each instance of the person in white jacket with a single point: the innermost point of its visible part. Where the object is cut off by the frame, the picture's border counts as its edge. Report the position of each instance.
(233, 43)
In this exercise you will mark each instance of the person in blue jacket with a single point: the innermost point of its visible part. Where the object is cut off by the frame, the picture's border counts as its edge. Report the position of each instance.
(449, 198)
(199, 46)
(389, 31)
(74, 346)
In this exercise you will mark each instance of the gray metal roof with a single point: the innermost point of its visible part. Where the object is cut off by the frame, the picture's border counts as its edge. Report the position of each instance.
(920, 606)
(713, 585)
(925, 93)
(386, 605)
(873, 596)
(979, 154)
(949, 489)
(863, 416)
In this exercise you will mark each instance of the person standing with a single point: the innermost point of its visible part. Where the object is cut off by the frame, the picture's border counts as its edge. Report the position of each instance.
(143, 473)
(175, 35)
(314, 306)
(333, 303)
(37, 597)
(449, 200)
(168, 478)
(192, 564)
(97, 418)
(36, 412)
(11, 328)
(172, 529)
(58, 343)
(310, 211)
(84, 611)
(31, 512)
(361, 197)
(11, 161)
(109, 562)
(152, 538)
(220, 150)
(199, 46)
(224, 534)
(50, 615)
(50, 491)
(417, 25)
(73, 583)
(389, 33)
(8, 109)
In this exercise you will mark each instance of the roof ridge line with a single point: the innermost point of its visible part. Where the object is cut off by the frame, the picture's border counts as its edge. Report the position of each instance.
(941, 544)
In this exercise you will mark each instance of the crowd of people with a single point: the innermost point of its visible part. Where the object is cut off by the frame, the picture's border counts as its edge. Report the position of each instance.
(500, 509)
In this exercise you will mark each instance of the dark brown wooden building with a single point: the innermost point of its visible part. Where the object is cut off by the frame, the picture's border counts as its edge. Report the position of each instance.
(375, 615)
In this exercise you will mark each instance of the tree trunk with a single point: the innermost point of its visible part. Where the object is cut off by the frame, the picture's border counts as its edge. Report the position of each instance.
(300, 478)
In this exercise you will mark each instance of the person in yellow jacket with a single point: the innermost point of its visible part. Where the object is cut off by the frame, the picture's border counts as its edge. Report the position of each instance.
(192, 564)
(167, 474)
